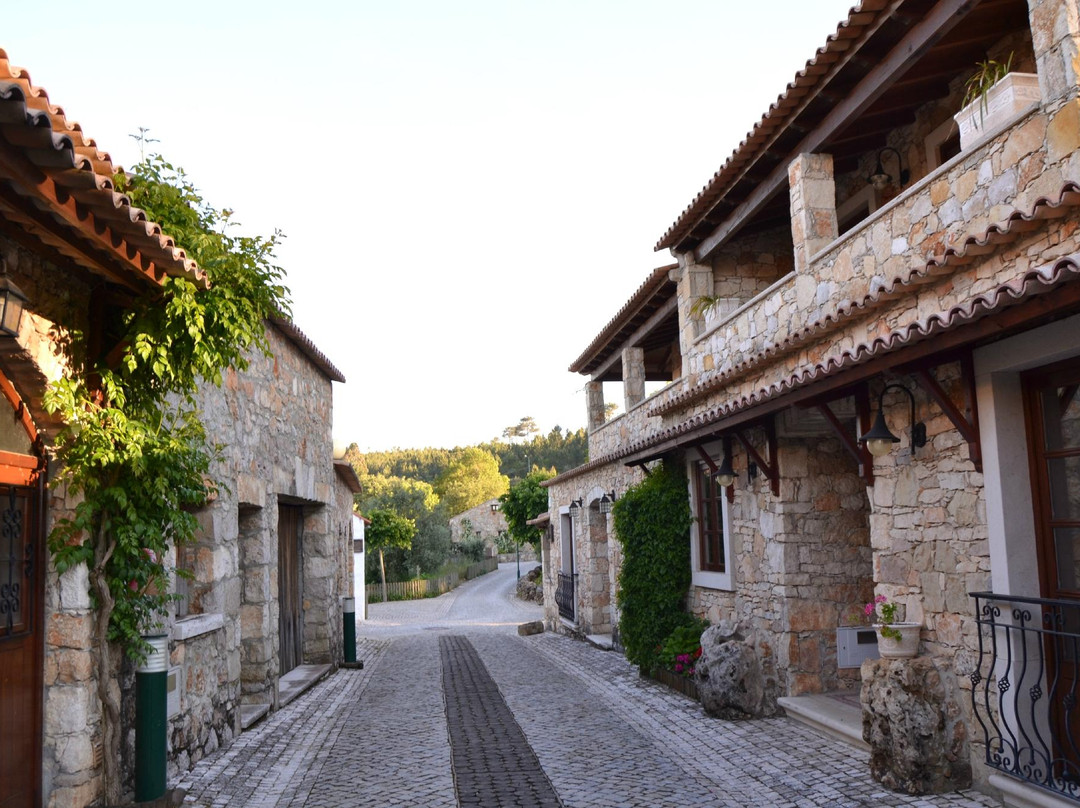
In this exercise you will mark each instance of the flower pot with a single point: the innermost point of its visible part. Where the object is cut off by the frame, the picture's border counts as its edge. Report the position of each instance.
(906, 646)
(1013, 94)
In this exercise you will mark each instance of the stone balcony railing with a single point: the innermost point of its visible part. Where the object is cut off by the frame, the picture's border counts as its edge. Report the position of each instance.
(973, 190)
(626, 427)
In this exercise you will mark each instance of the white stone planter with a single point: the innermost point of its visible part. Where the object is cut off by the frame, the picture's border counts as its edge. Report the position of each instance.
(1013, 94)
(906, 646)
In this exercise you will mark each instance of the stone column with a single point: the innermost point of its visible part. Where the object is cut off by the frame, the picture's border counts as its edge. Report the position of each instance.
(1055, 36)
(813, 206)
(633, 376)
(594, 392)
(694, 280)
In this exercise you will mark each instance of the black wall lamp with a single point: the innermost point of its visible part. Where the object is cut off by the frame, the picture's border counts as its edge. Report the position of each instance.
(607, 501)
(879, 440)
(725, 475)
(575, 506)
(12, 301)
(881, 178)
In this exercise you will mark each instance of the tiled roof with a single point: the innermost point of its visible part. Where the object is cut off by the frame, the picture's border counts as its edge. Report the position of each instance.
(1031, 284)
(347, 473)
(775, 118)
(965, 251)
(59, 187)
(652, 294)
(308, 348)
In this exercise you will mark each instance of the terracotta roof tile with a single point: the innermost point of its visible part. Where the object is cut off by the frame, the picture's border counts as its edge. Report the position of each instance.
(965, 251)
(1029, 285)
(859, 18)
(308, 348)
(656, 283)
(53, 168)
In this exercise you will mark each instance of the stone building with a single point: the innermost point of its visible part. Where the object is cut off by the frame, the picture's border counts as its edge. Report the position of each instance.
(79, 250)
(485, 520)
(860, 254)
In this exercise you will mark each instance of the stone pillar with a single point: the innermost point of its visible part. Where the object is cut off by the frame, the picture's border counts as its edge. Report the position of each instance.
(1055, 36)
(258, 625)
(813, 206)
(694, 280)
(633, 376)
(594, 392)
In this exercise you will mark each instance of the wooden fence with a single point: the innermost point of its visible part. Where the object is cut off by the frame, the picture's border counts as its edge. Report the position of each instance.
(411, 590)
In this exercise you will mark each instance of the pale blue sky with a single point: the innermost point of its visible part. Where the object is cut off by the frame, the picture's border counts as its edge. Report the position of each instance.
(470, 190)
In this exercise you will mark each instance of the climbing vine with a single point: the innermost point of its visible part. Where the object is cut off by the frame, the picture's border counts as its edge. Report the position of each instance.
(652, 521)
(134, 452)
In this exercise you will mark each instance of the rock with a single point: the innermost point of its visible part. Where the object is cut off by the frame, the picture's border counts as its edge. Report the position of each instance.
(728, 675)
(529, 586)
(535, 627)
(912, 721)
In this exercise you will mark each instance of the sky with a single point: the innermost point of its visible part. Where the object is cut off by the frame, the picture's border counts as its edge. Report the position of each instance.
(470, 190)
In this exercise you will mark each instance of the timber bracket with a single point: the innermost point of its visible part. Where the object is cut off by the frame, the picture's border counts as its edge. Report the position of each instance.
(770, 468)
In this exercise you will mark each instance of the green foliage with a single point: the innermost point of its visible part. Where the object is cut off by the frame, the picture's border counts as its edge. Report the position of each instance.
(680, 651)
(388, 529)
(525, 501)
(987, 74)
(133, 447)
(472, 548)
(416, 500)
(471, 478)
(652, 521)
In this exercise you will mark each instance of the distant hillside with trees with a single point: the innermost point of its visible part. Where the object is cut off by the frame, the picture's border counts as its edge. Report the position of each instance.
(430, 485)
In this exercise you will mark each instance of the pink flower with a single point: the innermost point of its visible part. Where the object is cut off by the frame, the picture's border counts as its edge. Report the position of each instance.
(880, 599)
(678, 667)
(869, 609)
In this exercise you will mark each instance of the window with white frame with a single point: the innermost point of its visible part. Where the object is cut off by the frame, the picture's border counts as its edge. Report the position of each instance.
(710, 546)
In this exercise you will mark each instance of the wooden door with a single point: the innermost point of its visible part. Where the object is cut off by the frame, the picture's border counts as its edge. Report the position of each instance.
(1052, 402)
(21, 644)
(290, 589)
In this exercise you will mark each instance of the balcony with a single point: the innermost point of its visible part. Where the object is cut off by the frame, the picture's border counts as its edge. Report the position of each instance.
(564, 595)
(1025, 689)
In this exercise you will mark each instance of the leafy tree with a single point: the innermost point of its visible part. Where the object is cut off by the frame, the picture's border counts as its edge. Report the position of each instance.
(416, 500)
(472, 477)
(609, 410)
(387, 529)
(522, 429)
(652, 521)
(134, 449)
(523, 502)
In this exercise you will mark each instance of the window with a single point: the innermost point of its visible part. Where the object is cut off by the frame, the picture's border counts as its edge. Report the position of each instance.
(710, 549)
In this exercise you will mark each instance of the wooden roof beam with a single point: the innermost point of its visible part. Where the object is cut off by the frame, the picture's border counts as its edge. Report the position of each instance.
(657, 317)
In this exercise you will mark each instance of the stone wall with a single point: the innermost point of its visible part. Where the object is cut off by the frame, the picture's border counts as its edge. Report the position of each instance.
(485, 522)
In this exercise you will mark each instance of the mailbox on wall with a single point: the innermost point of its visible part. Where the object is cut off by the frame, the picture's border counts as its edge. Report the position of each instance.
(855, 644)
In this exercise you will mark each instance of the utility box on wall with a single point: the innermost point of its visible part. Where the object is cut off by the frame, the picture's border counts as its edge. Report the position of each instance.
(855, 644)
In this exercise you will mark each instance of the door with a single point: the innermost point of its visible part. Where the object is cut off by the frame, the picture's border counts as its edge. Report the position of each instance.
(290, 590)
(1052, 403)
(21, 643)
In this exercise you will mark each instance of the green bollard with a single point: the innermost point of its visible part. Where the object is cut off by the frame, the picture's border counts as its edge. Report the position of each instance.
(348, 624)
(151, 680)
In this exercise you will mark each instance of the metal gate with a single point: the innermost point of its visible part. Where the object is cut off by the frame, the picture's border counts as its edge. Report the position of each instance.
(290, 587)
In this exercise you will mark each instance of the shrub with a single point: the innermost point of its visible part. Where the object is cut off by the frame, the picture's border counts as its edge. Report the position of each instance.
(472, 548)
(680, 651)
(652, 521)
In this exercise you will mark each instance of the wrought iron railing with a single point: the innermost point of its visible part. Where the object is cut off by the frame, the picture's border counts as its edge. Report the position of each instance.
(564, 595)
(1026, 690)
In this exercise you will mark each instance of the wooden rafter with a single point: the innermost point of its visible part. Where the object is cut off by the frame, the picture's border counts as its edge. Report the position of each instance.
(966, 424)
(849, 441)
(770, 468)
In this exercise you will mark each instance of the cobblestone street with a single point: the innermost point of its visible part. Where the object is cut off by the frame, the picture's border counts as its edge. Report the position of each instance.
(450, 695)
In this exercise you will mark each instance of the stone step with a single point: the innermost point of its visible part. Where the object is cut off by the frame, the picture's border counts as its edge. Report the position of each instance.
(837, 715)
(298, 680)
(250, 714)
(603, 641)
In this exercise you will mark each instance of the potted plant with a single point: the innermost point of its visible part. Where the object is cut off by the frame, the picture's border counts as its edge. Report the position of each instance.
(992, 95)
(895, 639)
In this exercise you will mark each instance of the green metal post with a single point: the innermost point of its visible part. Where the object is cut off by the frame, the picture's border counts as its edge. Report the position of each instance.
(151, 680)
(348, 624)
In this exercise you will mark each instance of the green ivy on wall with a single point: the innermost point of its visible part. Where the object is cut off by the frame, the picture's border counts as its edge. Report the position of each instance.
(652, 521)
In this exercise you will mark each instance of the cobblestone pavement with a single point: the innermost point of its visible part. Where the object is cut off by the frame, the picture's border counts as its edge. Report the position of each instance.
(602, 735)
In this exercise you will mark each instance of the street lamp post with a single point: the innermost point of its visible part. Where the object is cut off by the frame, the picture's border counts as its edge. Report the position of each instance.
(517, 541)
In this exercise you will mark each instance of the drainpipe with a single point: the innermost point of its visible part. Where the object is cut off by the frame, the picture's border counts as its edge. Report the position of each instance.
(150, 720)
